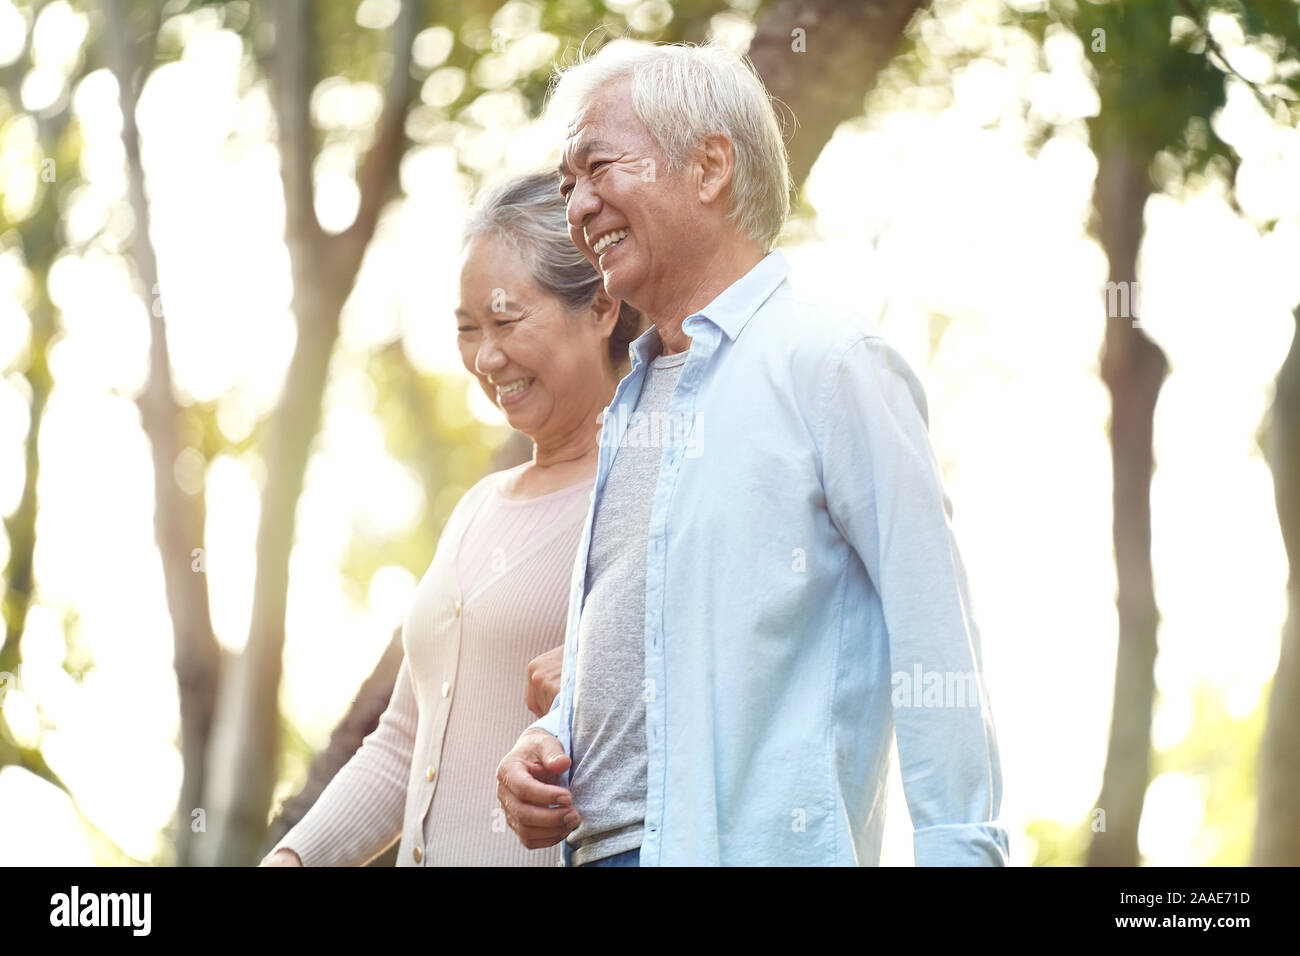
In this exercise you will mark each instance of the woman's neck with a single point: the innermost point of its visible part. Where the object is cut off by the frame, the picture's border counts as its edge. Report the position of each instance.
(568, 457)
(553, 469)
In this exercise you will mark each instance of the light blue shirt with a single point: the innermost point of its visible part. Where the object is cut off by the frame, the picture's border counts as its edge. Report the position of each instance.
(805, 600)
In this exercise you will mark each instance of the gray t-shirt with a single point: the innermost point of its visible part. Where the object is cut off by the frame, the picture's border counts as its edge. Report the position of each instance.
(608, 779)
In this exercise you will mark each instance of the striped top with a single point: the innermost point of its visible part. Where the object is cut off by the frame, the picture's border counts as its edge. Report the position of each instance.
(494, 597)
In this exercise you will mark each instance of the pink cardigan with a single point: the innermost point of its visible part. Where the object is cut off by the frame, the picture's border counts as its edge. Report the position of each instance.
(427, 774)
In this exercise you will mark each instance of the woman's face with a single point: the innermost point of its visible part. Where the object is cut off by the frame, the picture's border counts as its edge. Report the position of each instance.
(547, 368)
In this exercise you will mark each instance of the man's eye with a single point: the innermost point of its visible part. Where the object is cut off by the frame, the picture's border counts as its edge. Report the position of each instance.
(466, 328)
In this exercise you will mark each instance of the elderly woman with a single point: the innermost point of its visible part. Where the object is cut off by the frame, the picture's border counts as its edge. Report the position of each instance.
(548, 346)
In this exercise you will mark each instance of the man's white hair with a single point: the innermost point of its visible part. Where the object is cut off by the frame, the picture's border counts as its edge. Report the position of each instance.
(683, 93)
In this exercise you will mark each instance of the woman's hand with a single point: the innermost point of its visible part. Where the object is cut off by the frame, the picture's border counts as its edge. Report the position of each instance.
(544, 680)
(282, 857)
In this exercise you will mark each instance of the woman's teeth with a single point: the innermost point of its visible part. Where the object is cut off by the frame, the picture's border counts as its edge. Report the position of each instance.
(514, 388)
(604, 242)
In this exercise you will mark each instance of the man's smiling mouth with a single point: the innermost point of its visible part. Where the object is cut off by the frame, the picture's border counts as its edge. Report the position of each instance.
(609, 239)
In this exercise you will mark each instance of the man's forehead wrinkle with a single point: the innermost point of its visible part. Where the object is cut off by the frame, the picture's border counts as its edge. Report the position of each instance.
(580, 154)
(571, 133)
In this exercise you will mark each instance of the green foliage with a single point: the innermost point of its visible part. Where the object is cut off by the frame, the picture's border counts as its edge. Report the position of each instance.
(1219, 751)
(1058, 844)
(1159, 74)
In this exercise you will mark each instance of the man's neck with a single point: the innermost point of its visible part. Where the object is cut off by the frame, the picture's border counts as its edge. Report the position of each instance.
(706, 281)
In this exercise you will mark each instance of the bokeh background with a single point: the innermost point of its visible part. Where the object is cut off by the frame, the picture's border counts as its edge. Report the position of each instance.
(233, 417)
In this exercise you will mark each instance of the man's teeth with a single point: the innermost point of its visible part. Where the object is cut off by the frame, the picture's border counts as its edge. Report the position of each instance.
(514, 387)
(604, 242)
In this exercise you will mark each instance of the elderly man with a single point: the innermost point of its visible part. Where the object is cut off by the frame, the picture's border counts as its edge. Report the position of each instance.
(767, 585)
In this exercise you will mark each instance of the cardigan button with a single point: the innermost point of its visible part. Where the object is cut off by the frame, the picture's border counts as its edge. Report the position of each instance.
(428, 774)
(446, 688)
(415, 852)
(458, 607)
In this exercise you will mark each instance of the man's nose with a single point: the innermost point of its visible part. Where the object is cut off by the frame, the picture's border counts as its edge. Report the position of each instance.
(583, 203)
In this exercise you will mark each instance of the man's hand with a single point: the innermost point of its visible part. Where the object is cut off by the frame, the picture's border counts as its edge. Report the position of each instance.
(544, 680)
(282, 857)
(528, 793)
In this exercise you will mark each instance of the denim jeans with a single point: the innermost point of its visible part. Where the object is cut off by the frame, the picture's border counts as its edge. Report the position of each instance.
(626, 858)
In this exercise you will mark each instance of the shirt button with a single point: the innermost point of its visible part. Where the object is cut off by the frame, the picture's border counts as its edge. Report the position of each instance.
(591, 496)
(429, 773)
(458, 607)
(417, 853)
(446, 688)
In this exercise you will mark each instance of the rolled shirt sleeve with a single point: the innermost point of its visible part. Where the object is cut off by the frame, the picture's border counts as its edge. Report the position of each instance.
(550, 721)
(885, 495)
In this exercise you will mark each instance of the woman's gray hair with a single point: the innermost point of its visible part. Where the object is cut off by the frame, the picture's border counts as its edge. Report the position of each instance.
(528, 212)
(683, 93)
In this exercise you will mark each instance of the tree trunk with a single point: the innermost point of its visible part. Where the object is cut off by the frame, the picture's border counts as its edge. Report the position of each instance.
(1133, 368)
(178, 516)
(823, 74)
(245, 749)
(1277, 833)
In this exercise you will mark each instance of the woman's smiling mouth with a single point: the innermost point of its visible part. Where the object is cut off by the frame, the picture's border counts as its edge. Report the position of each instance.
(512, 392)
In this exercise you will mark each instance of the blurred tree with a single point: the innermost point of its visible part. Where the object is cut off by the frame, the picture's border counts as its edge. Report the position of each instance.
(129, 36)
(1160, 76)
(36, 239)
(36, 236)
(1211, 757)
(324, 269)
(1277, 836)
(1128, 132)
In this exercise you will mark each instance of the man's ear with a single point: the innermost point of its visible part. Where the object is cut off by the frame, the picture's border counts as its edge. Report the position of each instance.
(717, 162)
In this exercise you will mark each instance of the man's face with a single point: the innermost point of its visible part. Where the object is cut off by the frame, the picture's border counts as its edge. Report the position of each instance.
(614, 179)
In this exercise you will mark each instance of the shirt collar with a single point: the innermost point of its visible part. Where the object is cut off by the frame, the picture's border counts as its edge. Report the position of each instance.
(740, 300)
(731, 310)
